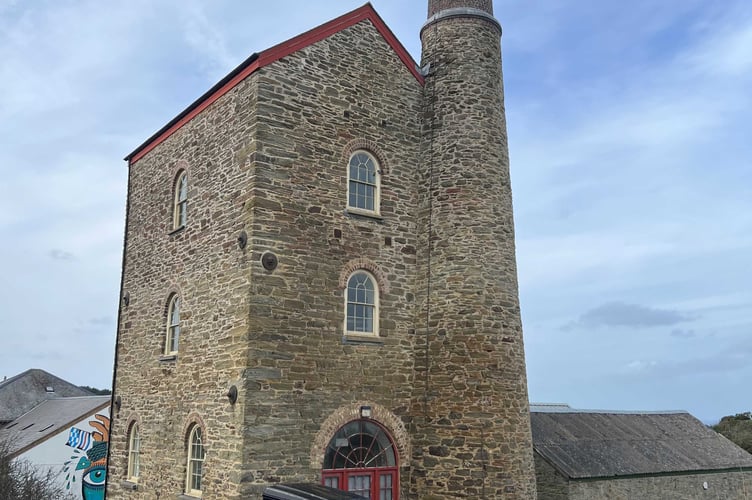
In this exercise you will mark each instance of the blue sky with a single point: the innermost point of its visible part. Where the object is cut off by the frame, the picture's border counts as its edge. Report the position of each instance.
(630, 143)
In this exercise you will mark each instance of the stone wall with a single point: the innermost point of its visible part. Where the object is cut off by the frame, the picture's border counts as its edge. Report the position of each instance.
(315, 108)
(550, 484)
(203, 264)
(472, 434)
(720, 486)
(436, 6)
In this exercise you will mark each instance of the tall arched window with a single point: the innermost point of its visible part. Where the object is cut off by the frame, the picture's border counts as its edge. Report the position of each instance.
(134, 446)
(196, 455)
(180, 204)
(361, 305)
(364, 183)
(362, 458)
(173, 326)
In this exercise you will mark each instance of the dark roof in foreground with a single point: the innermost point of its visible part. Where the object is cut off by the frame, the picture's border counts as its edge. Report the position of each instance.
(23, 392)
(306, 491)
(47, 419)
(585, 444)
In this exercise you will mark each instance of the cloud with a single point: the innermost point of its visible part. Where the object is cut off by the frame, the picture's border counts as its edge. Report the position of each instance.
(683, 334)
(57, 254)
(103, 320)
(729, 359)
(619, 314)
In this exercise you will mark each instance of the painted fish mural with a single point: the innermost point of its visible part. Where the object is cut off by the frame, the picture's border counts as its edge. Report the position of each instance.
(90, 456)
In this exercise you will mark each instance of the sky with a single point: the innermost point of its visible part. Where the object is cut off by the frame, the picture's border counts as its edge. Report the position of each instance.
(629, 132)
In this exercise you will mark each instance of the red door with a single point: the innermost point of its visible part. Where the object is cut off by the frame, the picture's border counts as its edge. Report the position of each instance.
(361, 458)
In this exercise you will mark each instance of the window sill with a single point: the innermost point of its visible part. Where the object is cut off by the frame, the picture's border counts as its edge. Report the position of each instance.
(168, 357)
(365, 214)
(187, 496)
(129, 485)
(177, 230)
(362, 339)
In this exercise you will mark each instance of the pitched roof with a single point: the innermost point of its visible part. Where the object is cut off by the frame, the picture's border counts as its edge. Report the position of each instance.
(47, 419)
(21, 393)
(597, 444)
(270, 55)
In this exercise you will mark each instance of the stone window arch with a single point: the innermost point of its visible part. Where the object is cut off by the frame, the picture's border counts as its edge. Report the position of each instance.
(363, 183)
(195, 436)
(180, 200)
(362, 304)
(172, 326)
(134, 451)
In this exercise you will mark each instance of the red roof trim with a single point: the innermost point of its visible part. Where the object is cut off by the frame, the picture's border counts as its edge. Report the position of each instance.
(279, 51)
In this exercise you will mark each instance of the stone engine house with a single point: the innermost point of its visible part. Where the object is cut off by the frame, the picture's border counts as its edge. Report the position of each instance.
(319, 280)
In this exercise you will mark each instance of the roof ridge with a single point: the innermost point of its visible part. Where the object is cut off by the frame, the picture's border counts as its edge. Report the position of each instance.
(258, 60)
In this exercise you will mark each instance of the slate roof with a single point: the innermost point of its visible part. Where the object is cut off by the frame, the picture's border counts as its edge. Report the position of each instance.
(47, 419)
(23, 392)
(584, 444)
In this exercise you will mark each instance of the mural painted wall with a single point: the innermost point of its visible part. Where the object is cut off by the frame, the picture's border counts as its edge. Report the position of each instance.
(78, 455)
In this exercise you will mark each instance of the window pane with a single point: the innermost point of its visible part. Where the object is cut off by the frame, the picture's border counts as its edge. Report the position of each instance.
(175, 311)
(174, 335)
(385, 487)
(332, 482)
(368, 320)
(182, 218)
(196, 475)
(360, 485)
(183, 190)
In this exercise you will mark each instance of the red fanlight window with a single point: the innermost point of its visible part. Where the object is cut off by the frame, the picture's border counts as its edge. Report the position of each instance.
(361, 458)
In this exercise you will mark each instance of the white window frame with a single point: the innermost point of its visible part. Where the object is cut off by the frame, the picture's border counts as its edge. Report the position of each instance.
(134, 450)
(172, 331)
(375, 305)
(180, 201)
(376, 184)
(192, 461)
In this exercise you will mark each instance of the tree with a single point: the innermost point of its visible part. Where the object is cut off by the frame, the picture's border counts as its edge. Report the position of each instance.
(737, 428)
(94, 390)
(20, 480)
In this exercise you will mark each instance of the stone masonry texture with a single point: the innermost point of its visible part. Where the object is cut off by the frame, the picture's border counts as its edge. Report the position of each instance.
(690, 486)
(436, 6)
(446, 374)
(472, 415)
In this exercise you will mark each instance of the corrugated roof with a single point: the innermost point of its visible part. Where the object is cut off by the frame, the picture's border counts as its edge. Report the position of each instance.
(21, 393)
(47, 419)
(586, 444)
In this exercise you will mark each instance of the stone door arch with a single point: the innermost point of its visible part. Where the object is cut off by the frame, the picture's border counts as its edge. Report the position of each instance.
(362, 458)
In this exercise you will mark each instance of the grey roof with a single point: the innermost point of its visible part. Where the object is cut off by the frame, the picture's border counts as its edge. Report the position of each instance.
(47, 419)
(565, 408)
(584, 444)
(23, 392)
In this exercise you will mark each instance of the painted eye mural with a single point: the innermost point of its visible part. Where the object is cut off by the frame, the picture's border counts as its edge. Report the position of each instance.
(94, 462)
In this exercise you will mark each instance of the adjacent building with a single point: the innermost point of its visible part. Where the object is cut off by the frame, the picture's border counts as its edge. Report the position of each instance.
(596, 454)
(59, 429)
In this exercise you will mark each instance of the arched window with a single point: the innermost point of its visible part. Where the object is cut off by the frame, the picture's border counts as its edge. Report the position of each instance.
(173, 326)
(134, 445)
(196, 455)
(364, 183)
(179, 217)
(361, 305)
(362, 458)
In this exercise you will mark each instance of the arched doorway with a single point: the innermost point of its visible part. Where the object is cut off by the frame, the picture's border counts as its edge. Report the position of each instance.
(362, 458)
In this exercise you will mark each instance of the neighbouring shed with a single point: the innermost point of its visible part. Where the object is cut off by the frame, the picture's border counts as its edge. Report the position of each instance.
(597, 454)
(23, 392)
